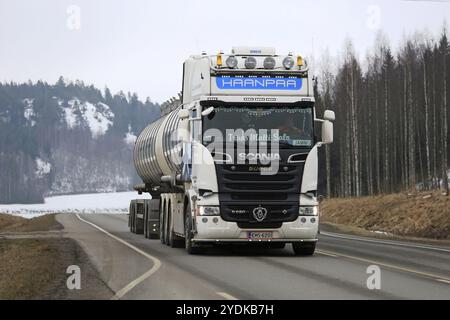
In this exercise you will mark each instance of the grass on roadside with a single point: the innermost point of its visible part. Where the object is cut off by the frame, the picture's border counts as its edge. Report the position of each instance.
(422, 214)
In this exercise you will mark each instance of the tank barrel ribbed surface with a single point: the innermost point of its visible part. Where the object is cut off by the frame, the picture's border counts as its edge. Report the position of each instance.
(157, 151)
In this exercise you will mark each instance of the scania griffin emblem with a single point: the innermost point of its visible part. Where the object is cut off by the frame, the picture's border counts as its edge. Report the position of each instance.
(260, 213)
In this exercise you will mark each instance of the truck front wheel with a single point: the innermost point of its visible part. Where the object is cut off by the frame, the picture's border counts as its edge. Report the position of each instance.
(190, 247)
(304, 249)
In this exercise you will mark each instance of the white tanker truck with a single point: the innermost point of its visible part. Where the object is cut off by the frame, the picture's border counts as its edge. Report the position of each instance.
(235, 160)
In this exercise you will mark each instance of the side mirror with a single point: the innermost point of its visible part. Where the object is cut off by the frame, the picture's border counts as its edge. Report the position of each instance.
(183, 114)
(208, 111)
(329, 115)
(327, 132)
(320, 198)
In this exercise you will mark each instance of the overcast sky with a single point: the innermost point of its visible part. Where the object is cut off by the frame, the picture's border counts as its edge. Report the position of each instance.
(139, 45)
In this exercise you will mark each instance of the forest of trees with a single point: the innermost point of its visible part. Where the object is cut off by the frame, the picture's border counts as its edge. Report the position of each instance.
(392, 118)
(42, 154)
(391, 129)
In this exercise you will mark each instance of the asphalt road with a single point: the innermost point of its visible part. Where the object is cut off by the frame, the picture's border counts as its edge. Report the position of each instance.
(138, 268)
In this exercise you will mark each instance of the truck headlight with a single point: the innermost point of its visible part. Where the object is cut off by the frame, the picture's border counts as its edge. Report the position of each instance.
(208, 211)
(308, 211)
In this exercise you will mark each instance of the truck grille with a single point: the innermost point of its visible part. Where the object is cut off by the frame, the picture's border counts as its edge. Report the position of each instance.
(241, 182)
(242, 188)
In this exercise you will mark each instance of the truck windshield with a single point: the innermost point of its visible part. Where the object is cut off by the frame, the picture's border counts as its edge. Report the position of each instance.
(289, 126)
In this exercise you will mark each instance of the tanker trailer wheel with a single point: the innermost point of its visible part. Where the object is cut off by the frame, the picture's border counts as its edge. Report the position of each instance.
(304, 249)
(162, 230)
(190, 247)
(167, 224)
(145, 220)
(131, 216)
(173, 240)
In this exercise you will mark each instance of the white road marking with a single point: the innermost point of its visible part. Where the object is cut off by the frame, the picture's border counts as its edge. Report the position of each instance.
(326, 254)
(395, 243)
(156, 262)
(226, 296)
(443, 280)
(391, 266)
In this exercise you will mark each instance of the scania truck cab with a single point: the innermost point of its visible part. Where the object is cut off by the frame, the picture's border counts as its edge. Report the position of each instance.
(236, 160)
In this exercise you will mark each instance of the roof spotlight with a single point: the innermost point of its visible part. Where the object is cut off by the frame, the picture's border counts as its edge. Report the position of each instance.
(269, 63)
(250, 63)
(288, 62)
(231, 62)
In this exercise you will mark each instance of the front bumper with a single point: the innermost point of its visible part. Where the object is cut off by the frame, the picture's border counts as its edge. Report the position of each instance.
(215, 229)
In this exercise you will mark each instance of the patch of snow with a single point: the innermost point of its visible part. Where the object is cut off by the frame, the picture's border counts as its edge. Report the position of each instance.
(130, 137)
(43, 168)
(29, 113)
(70, 113)
(98, 117)
(82, 203)
(382, 232)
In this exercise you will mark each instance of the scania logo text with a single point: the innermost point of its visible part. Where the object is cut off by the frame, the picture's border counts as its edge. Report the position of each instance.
(259, 156)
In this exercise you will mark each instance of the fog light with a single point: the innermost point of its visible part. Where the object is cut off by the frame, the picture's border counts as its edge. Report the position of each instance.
(303, 219)
(308, 211)
(313, 220)
(205, 220)
(215, 220)
(208, 211)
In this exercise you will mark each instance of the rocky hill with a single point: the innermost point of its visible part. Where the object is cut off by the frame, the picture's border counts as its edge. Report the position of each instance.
(67, 138)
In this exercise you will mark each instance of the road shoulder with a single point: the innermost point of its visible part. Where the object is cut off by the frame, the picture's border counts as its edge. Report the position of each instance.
(35, 259)
(360, 232)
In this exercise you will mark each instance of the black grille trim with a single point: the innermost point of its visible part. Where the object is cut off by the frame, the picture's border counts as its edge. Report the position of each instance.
(242, 188)
(260, 225)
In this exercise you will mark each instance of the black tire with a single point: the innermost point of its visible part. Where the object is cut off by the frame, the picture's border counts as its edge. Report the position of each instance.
(131, 217)
(167, 225)
(138, 226)
(189, 246)
(146, 234)
(162, 229)
(133, 223)
(130, 221)
(304, 249)
(146, 221)
(173, 240)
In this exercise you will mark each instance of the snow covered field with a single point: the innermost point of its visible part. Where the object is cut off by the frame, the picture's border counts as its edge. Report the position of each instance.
(81, 203)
